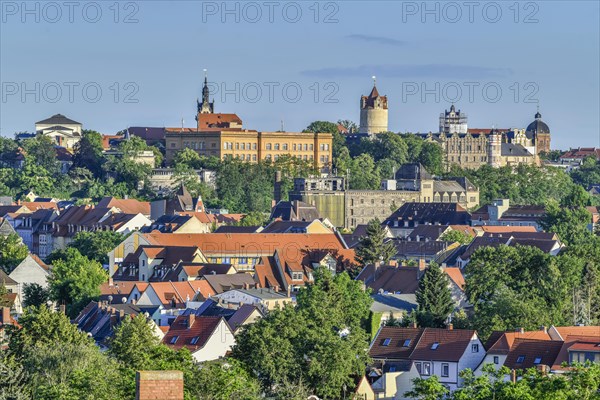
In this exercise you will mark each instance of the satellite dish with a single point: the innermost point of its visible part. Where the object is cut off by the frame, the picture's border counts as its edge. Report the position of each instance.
(110, 299)
(124, 300)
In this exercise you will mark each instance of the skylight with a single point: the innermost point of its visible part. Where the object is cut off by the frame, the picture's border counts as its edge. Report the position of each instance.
(174, 339)
(387, 342)
(435, 345)
(520, 359)
(406, 343)
(194, 340)
(537, 360)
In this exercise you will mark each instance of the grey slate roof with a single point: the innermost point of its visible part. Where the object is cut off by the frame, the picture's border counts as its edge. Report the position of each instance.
(515, 150)
(58, 119)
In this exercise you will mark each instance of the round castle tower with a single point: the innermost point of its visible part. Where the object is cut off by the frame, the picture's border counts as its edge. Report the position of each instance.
(373, 112)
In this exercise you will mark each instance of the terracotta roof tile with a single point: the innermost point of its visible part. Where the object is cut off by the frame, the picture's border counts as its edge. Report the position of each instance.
(193, 337)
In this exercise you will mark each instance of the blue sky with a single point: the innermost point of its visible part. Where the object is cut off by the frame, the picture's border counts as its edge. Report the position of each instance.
(286, 61)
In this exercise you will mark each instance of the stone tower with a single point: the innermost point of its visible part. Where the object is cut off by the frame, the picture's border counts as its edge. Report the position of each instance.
(373, 112)
(206, 107)
(540, 134)
(495, 149)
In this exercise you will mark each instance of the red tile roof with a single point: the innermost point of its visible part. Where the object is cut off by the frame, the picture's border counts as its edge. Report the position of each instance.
(127, 206)
(527, 353)
(192, 337)
(455, 274)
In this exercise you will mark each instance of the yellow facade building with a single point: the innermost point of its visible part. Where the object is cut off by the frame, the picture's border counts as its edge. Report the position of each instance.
(222, 136)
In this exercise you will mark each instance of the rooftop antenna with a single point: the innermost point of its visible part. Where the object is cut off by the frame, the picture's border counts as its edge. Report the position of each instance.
(282, 130)
(205, 73)
(182, 122)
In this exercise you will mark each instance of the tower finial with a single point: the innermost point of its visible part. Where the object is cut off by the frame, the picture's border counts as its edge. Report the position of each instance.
(374, 80)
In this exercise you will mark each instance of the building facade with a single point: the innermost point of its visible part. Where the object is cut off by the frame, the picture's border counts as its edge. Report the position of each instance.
(64, 131)
(222, 136)
(348, 208)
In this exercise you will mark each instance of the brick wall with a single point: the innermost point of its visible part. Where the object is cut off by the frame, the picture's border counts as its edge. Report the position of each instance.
(159, 385)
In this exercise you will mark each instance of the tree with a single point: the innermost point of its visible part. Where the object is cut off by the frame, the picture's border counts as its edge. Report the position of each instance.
(96, 245)
(75, 280)
(322, 340)
(35, 295)
(456, 237)
(88, 152)
(133, 342)
(187, 158)
(12, 252)
(569, 223)
(226, 380)
(40, 151)
(363, 173)
(427, 389)
(254, 218)
(374, 247)
(4, 300)
(434, 298)
(13, 379)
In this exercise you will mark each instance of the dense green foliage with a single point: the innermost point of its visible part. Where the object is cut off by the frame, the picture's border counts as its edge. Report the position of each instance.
(456, 236)
(582, 382)
(12, 252)
(434, 298)
(35, 295)
(321, 342)
(374, 246)
(96, 245)
(75, 280)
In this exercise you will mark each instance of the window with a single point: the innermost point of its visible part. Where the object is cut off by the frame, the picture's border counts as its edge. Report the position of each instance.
(445, 370)
(174, 339)
(435, 345)
(496, 359)
(387, 342)
(294, 146)
(194, 340)
(253, 157)
(311, 147)
(475, 348)
(276, 146)
(268, 146)
(285, 146)
(537, 360)
(253, 146)
(306, 147)
(426, 368)
(406, 343)
(520, 359)
(418, 366)
(392, 369)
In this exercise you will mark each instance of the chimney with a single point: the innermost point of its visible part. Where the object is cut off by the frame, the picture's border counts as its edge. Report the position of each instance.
(544, 329)
(414, 324)
(165, 385)
(63, 309)
(289, 291)
(110, 282)
(513, 376)
(5, 315)
(520, 330)
(191, 320)
(121, 315)
(450, 326)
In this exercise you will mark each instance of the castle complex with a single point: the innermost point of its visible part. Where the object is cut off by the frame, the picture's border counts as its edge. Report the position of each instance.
(472, 148)
(223, 136)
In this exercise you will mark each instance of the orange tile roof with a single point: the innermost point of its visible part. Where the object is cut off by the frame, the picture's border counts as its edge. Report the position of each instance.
(294, 244)
(39, 205)
(217, 120)
(118, 288)
(590, 331)
(181, 292)
(127, 206)
(455, 274)
(506, 341)
(469, 230)
(506, 229)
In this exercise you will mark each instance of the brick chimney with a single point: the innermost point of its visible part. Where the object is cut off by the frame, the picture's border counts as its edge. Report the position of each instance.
(159, 385)
(414, 324)
(450, 326)
(5, 316)
(191, 320)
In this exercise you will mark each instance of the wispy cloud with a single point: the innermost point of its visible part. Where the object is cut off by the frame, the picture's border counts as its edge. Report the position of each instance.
(442, 71)
(377, 39)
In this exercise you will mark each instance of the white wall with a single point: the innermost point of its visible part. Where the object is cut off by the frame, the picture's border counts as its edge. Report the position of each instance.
(217, 345)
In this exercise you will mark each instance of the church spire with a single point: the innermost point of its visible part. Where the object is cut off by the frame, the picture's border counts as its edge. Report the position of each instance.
(205, 107)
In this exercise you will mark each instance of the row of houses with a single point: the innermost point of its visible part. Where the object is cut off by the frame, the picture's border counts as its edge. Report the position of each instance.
(402, 354)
